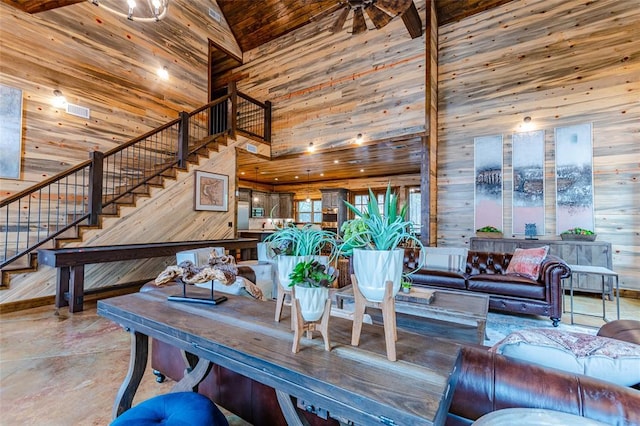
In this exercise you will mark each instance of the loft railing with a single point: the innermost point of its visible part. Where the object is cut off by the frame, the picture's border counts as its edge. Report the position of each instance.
(47, 210)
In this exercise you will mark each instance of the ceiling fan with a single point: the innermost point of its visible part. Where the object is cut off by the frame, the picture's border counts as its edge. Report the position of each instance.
(380, 12)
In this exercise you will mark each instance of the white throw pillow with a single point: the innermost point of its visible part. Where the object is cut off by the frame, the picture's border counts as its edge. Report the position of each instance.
(600, 357)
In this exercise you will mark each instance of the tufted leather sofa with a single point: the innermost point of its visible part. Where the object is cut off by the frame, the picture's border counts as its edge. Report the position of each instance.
(489, 382)
(486, 273)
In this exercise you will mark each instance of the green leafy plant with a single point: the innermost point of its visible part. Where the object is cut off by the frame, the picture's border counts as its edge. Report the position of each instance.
(406, 283)
(312, 274)
(488, 229)
(578, 231)
(304, 241)
(372, 229)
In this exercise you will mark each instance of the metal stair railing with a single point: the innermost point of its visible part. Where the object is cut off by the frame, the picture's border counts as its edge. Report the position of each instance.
(79, 195)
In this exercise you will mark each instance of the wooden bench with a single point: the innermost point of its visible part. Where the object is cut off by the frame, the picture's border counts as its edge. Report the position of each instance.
(70, 262)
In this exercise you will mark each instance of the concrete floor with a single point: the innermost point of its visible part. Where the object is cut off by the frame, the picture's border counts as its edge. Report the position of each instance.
(65, 369)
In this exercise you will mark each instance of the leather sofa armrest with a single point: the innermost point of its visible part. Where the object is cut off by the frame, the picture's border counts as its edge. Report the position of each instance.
(489, 382)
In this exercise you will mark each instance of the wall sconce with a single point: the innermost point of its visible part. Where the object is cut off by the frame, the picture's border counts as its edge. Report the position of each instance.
(527, 124)
(359, 139)
(59, 101)
(163, 73)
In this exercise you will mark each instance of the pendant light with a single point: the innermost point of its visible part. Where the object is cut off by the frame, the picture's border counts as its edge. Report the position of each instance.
(308, 198)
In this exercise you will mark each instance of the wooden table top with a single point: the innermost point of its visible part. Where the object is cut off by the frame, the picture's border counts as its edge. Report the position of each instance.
(355, 383)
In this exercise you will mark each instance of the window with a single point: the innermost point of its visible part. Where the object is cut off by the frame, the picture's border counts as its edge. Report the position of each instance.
(361, 200)
(309, 212)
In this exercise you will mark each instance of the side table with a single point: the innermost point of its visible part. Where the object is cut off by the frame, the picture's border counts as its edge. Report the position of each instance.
(595, 270)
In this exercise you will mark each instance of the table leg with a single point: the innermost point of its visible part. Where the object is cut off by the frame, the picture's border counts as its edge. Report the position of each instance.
(571, 296)
(288, 410)
(137, 365)
(62, 287)
(604, 307)
(76, 290)
(617, 296)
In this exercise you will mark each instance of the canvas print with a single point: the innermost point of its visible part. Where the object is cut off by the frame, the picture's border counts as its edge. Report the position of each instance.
(574, 178)
(528, 182)
(488, 181)
(10, 132)
(212, 192)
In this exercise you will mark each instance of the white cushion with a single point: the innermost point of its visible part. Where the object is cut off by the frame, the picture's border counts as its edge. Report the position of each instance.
(607, 359)
(199, 257)
(450, 258)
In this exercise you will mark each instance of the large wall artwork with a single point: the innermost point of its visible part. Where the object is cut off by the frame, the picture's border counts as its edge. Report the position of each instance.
(488, 181)
(10, 132)
(528, 181)
(574, 178)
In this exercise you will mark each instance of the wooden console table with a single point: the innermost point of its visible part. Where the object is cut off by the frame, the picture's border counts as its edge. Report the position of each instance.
(353, 384)
(70, 262)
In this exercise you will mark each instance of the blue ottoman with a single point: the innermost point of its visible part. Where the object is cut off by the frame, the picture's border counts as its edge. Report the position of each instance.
(174, 409)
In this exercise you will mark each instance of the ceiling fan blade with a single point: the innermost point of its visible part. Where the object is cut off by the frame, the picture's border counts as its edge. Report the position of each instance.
(394, 7)
(379, 17)
(342, 18)
(359, 25)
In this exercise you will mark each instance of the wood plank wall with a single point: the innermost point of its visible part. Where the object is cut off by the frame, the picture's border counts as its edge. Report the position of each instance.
(326, 88)
(168, 215)
(561, 62)
(104, 63)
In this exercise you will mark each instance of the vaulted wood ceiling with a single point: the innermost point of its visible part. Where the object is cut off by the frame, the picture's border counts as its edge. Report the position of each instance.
(255, 22)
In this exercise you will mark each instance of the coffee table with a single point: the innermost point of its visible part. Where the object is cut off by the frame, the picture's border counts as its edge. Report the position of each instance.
(440, 317)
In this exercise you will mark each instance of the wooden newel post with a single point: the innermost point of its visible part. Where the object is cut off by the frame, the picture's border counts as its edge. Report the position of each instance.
(183, 140)
(95, 186)
(232, 109)
(267, 121)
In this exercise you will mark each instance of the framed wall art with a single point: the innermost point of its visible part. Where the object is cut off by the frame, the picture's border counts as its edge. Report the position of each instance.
(211, 192)
(574, 177)
(528, 182)
(10, 132)
(488, 181)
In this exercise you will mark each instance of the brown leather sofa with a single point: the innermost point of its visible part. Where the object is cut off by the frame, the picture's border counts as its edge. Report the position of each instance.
(490, 382)
(486, 273)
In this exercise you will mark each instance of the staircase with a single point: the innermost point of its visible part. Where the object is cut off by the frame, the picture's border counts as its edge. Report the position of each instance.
(57, 210)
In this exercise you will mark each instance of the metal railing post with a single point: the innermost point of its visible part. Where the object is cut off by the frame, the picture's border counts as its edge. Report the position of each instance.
(183, 140)
(95, 186)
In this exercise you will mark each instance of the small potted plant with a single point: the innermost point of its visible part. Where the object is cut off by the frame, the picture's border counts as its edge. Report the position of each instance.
(406, 285)
(489, 232)
(376, 239)
(312, 280)
(578, 234)
(293, 245)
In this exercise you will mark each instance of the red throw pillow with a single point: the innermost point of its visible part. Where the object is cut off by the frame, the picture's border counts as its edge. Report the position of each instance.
(527, 262)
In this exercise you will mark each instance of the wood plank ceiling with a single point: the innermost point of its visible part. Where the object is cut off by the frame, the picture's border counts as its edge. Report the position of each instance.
(257, 22)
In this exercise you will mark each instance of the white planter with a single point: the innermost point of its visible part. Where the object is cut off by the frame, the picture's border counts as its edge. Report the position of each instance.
(287, 263)
(373, 268)
(312, 301)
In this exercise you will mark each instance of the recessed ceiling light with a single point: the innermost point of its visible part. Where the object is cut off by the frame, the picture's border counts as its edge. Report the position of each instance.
(296, 177)
(336, 161)
(163, 73)
(321, 174)
(361, 170)
(275, 179)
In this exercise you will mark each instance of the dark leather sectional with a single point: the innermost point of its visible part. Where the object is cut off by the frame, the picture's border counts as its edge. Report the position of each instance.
(486, 273)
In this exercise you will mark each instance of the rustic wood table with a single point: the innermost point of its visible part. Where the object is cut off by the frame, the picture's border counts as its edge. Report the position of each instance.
(354, 384)
(446, 306)
(71, 261)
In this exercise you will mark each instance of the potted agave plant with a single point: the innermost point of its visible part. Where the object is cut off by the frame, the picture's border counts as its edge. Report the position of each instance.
(375, 239)
(293, 245)
(311, 281)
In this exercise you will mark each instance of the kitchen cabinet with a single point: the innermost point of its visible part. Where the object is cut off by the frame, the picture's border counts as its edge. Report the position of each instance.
(259, 204)
(272, 204)
(334, 211)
